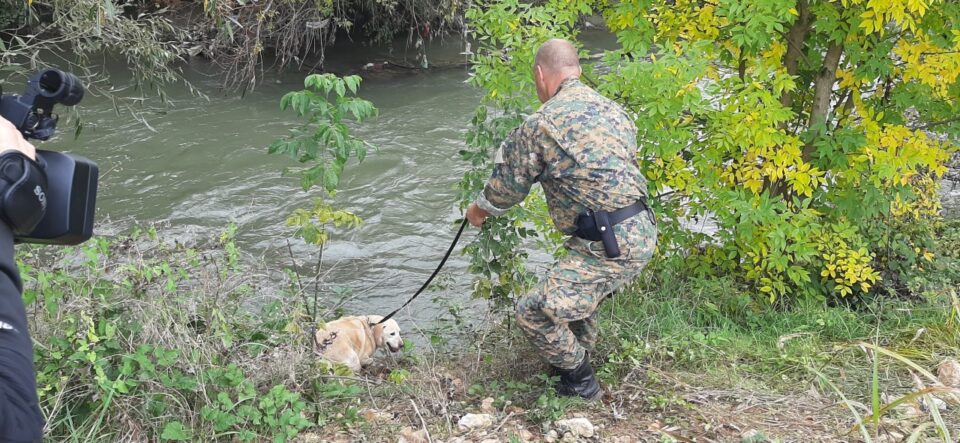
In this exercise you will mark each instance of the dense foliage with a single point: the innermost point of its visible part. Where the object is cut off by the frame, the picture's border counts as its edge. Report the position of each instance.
(297, 32)
(142, 339)
(804, 130)
(75, 36)
(242, 37)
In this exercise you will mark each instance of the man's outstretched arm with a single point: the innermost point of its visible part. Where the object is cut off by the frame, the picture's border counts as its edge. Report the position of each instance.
(517, 166)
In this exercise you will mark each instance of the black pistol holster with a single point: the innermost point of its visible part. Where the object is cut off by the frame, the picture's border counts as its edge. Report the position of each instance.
(598, 225)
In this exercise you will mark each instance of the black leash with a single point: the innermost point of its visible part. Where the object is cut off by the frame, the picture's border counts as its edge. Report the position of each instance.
(435, 272)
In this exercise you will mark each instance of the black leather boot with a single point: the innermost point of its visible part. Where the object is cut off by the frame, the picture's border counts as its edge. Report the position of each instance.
(579, 381)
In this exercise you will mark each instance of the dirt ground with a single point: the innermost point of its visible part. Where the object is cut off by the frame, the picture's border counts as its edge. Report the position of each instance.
(649, 403)
(673, 409)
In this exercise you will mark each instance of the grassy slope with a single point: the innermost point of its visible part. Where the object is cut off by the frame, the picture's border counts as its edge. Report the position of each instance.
(694, 358)
(138, 339)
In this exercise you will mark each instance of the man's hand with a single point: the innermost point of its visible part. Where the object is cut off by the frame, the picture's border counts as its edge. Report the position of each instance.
(12, 139)
(475, 215)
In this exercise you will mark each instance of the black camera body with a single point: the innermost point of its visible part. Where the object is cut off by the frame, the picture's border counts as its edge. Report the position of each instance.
(71, 179)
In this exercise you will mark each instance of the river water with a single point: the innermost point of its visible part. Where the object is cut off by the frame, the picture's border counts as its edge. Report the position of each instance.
(200, 164)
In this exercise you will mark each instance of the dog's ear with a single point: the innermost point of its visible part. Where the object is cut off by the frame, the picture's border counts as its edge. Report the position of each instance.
(377, 334)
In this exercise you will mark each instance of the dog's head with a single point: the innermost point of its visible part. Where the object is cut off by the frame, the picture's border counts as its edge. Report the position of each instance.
(386, 334)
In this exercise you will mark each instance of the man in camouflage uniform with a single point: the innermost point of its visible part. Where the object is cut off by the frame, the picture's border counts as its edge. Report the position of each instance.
(581, 147)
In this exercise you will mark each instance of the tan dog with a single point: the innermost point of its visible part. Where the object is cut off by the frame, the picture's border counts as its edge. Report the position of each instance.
(353, 340)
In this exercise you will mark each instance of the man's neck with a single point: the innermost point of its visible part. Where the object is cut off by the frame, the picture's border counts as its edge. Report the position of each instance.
(567, 81)
(563, 83)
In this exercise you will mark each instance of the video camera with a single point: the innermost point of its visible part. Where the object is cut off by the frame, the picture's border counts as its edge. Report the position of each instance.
(71, 179)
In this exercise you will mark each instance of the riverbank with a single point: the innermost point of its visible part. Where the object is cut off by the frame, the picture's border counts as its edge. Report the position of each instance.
(142, 339)
(688, 360)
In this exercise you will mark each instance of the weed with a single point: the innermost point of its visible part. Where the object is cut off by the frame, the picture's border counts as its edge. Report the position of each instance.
(138, 339)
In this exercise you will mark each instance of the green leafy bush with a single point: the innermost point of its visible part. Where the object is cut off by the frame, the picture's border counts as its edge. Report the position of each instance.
(140, 339)
(801, 128)
(324, 141)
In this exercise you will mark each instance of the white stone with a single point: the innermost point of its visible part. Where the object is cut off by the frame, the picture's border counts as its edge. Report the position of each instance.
(937, 403)
(408, 435)
(472, 422)
(486, 406)
(948, 372)
(752, 436)
(908, 410)
(524, 435)
(578, 427)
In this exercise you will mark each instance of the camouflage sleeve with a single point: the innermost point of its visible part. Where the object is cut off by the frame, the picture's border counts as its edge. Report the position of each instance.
(517, 166)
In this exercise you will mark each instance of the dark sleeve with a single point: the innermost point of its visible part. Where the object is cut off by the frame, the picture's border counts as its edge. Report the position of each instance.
(20, 417)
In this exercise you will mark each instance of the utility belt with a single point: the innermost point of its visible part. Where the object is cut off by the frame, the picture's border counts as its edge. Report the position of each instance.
(598, 225)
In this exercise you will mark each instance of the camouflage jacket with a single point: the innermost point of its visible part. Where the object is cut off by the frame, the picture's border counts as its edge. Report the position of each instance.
(582, 149)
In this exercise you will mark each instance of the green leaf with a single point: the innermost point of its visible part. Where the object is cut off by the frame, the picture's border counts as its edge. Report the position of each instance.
(175, 431)
(286, 99)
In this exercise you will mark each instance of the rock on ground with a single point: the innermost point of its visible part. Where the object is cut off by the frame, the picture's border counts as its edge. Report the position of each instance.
(934, 403)
(948, 372)
(487, 406)
(753, 436)
(524, 435)
(408, 435)
(471, 422)
(578, 428)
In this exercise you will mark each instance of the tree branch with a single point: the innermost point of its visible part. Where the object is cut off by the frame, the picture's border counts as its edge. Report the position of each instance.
(742, 66)
(935, 124)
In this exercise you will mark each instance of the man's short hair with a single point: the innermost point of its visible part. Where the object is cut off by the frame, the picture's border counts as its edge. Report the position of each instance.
(557, 55)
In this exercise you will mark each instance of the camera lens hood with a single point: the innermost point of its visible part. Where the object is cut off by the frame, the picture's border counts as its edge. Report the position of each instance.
(58, 86)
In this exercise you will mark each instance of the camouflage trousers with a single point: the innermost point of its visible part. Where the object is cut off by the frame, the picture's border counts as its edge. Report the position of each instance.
(560, 316)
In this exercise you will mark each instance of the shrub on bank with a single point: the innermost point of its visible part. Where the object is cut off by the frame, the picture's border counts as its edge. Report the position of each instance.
(803, 130)
(139, 339)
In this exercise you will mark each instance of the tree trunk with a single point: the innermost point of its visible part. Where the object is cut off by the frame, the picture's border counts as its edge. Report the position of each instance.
(796, 38)
(823, 90)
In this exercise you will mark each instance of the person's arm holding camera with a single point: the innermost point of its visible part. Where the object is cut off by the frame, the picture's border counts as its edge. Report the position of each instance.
(20, 416)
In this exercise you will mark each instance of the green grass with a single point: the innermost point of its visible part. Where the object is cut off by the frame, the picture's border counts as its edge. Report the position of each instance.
(858, 350)
(705, 325)
(137, 338)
